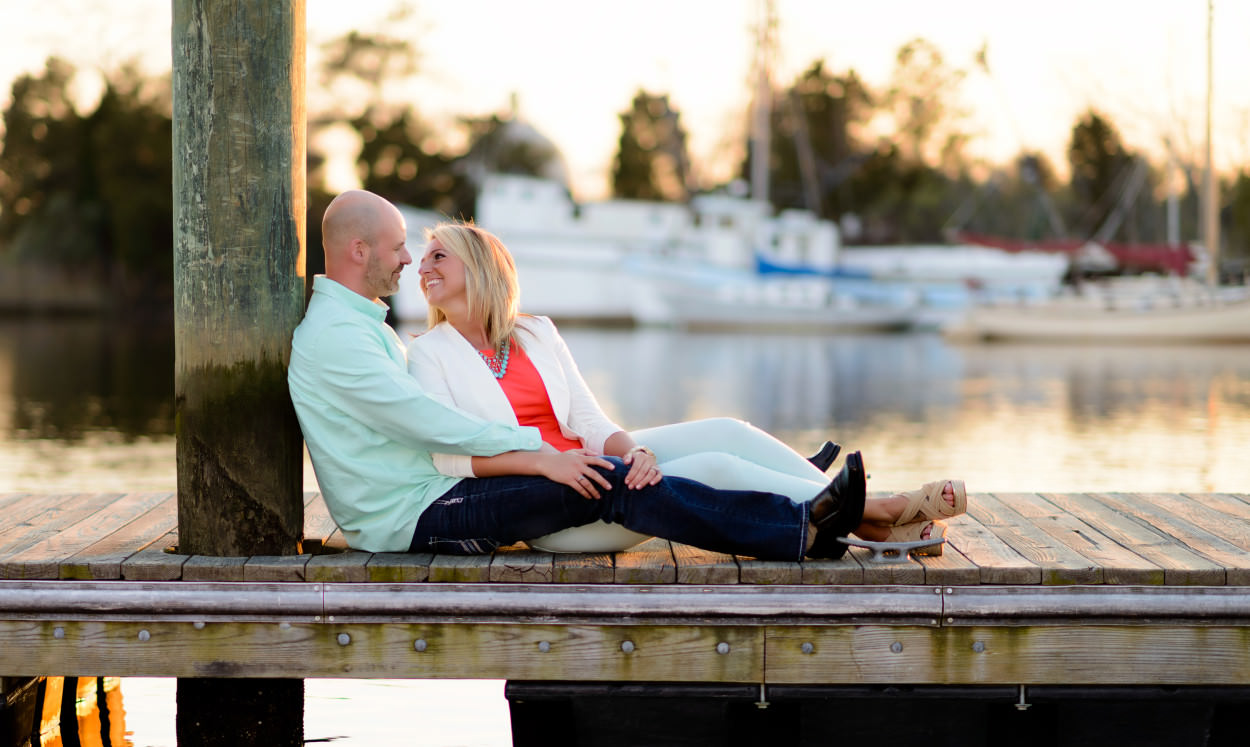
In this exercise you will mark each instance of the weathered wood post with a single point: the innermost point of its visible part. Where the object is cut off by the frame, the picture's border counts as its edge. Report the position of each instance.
(239, 204)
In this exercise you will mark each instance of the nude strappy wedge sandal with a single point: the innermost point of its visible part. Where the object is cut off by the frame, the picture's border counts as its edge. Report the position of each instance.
(926, 503)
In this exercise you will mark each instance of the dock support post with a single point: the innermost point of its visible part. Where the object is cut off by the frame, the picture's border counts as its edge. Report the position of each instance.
(239, 165)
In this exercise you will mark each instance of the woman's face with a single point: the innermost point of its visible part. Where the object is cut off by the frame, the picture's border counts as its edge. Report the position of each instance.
(442, 276)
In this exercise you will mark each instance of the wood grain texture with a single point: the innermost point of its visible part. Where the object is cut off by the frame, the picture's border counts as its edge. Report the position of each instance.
(651, 562)
(1059, 564)
(1181, 565)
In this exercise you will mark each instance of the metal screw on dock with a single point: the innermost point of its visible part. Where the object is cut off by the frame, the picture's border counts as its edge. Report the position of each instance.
(979, 646)
(544, 646)
(807, 647)
(628, 647)
(344, 639)
(420, 644)
(198, 624)
(58, 633)
(896, 647)
(144, 635)
(722, 648)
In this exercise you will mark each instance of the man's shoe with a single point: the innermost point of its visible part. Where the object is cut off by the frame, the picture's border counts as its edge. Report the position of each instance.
(839, 508)
(824, 458)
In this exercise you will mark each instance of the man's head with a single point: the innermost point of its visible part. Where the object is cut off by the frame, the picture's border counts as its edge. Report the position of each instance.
(363, 236)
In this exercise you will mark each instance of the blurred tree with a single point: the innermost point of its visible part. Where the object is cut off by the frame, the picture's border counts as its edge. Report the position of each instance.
(93, 193)
(817, 142)
(48, 209)
(1098, 163)
(652, 161)
(923, 102)
(1237, 241)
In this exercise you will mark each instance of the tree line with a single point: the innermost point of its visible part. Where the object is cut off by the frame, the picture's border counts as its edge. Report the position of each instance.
(92, 190)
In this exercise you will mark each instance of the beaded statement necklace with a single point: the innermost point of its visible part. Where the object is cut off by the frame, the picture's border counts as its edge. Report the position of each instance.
(498, 364)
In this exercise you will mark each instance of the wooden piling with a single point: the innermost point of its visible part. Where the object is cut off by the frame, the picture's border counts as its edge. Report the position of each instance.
(239, 204)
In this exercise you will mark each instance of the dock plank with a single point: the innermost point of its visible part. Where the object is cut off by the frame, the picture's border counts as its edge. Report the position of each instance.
(339, 567)
(583, 568)
(103, 559)
(43, 559)
(650, 562)
(845, 570)
(462, 569)
(1059, 564)
(950, 568)
(399, 567)
(1223, 524)
(276, 568)
(1119, 564)
(46, 518)
(519, 564)
(1223, 553)
(1181, 566)
(769, 572)
(9, 499)
(210, 568)
(153, 563)
(998, 562)
(698, 566)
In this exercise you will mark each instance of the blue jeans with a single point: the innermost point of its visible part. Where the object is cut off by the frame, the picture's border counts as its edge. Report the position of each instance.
(480, 514)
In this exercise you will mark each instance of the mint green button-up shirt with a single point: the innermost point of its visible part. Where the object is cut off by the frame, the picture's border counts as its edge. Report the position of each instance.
(370, 427)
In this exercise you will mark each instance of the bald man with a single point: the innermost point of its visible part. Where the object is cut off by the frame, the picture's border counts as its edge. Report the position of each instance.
(369, 426)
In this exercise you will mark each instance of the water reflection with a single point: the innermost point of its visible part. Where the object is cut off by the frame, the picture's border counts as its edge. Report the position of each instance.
(87, 405)
(1016, 417)
(65, 377)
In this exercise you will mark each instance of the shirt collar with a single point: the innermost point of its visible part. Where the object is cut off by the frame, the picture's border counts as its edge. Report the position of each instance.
(341, 293)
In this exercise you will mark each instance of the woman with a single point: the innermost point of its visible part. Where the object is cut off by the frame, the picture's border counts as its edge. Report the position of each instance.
(484, 357)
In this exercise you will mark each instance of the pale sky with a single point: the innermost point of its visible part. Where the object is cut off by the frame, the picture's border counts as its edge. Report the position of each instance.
(574, 65)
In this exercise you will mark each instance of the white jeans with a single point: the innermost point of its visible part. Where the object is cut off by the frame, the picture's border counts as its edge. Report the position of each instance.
(730, 454)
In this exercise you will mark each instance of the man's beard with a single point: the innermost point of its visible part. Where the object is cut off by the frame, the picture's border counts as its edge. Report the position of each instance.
(381, 282)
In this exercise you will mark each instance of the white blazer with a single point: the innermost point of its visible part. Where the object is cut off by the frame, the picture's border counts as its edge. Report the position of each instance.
(450, 370)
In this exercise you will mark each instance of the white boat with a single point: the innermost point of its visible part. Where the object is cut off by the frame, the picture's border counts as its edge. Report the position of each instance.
(721, 261)
(1127, 311)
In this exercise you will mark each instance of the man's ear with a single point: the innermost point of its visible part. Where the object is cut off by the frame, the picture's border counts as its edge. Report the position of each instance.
(358, 250)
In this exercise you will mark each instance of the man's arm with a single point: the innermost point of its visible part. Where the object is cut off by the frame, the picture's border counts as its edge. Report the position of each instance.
(361, 379)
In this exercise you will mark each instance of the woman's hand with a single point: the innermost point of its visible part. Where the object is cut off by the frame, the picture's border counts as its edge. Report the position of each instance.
(643, 470)
(576, 469)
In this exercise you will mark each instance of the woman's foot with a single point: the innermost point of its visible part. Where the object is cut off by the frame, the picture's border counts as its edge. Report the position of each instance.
(838, 509)
(824, 458)
(941, 499)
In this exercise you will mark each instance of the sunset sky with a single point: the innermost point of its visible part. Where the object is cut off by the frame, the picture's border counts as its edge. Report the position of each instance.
(574, 65)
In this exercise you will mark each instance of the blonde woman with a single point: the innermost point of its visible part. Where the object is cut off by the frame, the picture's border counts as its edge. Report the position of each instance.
(484, 357)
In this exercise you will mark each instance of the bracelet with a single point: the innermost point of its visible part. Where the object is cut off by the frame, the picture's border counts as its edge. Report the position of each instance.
(643, 449)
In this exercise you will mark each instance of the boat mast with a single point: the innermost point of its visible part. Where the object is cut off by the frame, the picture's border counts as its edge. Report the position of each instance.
(761, 146)
(1210, 195)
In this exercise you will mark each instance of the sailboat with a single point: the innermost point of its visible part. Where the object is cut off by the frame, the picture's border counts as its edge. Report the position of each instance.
(1131, 310)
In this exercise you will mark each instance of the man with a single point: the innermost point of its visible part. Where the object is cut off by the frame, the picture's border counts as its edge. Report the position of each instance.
(371, 429)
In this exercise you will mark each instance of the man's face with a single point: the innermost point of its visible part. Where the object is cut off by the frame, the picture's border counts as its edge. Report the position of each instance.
(387, 256)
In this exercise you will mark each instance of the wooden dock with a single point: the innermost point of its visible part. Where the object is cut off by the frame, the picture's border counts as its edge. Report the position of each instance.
(1034, 589)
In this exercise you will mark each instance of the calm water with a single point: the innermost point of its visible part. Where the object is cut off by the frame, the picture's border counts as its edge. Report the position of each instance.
(87, 407)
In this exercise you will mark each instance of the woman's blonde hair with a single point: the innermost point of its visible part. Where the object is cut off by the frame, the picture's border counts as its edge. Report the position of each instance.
(489, 278)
